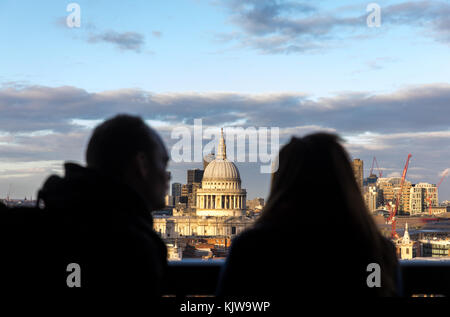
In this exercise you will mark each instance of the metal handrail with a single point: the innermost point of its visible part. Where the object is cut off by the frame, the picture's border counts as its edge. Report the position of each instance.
(199, 277)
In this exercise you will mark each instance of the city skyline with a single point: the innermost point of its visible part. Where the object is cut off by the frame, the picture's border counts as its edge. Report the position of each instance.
(296, 65)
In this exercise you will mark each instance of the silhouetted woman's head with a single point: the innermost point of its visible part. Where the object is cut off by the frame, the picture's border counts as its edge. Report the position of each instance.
(314, 173)
(314, 198)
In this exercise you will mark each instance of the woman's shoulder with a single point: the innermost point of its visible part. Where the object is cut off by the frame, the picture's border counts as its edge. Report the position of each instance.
(257, 231)
(257, 237)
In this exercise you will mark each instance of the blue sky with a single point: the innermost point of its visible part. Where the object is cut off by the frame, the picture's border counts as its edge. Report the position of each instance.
(188, 56)
(222, 61)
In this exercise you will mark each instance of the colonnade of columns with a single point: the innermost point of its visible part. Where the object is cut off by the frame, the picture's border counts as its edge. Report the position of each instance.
(220, 201)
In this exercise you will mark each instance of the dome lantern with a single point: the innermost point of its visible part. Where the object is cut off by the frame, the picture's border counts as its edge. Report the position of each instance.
(222, 150)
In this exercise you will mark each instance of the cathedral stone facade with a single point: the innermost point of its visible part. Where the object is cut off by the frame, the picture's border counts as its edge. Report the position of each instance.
(221, 194)
(219, 209)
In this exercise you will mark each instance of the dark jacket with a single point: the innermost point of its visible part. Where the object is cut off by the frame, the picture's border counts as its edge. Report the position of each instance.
(288, 263)
(104, 227)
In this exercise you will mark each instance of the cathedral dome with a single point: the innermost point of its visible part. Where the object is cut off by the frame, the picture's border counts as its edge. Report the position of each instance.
(221, 194)
(221, 169)
(221, 173)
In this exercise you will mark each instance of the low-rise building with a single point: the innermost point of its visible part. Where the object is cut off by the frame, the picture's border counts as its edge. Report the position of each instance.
(435, 247)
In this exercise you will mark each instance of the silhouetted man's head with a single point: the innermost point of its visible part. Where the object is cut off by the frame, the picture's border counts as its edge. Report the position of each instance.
(127, 149)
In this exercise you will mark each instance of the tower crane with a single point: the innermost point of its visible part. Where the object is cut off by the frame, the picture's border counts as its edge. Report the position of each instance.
(374, 161)
(399, 195)
(444, 174)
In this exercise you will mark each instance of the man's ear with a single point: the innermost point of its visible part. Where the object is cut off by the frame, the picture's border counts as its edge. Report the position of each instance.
(142, 163)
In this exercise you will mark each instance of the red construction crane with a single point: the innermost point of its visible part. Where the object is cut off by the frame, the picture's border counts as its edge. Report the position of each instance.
(374, 161)
(445, 173)
(399, 195)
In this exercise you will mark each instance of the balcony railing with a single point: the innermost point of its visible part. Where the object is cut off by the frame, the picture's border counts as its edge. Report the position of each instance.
(199, 277)
(425, 277)
(193, 277)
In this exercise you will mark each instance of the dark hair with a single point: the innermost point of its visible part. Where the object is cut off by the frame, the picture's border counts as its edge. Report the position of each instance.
(117, 140)
(311, 167)
(315, 184)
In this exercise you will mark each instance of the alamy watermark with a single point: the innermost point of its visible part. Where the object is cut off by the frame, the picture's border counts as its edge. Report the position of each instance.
(189, 147)
(74, 18)
(374, 17)
(374, 278)
(74, 277)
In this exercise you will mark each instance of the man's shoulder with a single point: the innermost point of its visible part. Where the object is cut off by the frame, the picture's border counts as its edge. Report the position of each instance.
(137, 229)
